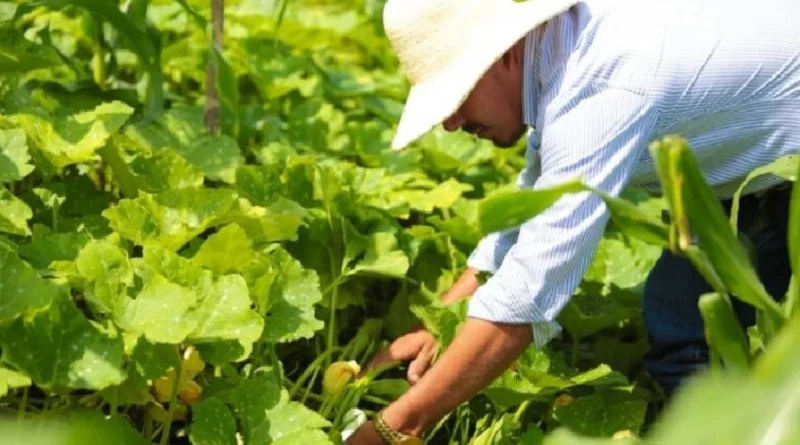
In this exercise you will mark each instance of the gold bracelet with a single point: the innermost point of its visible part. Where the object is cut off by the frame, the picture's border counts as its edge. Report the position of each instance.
(392, 437)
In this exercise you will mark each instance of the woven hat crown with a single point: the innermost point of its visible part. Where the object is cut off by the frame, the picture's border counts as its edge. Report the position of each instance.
(428, 34)
(445, 46)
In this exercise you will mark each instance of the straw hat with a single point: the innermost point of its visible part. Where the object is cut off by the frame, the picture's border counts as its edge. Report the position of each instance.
(445, 46)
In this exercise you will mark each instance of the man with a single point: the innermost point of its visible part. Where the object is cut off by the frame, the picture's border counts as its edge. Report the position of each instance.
(596, 81)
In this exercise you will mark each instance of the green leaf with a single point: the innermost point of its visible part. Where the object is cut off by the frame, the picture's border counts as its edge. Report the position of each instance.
(229, 250)
(381, 257)
(139, 169)
(47, 247)
(61, 350)
(793, 240)
(14, 158)
(602, 414)
(268, 417)
(141, 43)
(504, 431)
(286, 292)
(224, 314)
(108, 274)
(217, 156)
(22, 292)
(744, 412)
(785, 167)
(278, 222)
(75, 427)
(22, 55)
(12, 379)
(506, 210)
(212, 424)
(443, 196)
(724, 331)
(707, 220)
(169, 219)
(63, 142)
(159, 312)
(14, 214)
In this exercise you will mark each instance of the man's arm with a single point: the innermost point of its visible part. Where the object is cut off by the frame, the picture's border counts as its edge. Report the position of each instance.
(598, 139)
(480, 353)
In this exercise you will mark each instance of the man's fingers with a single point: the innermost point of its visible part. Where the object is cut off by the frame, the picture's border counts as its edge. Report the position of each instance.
(404, 348)
(418, 367)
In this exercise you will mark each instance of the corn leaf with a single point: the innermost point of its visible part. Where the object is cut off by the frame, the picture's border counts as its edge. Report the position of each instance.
(725, 334)
(697, 211)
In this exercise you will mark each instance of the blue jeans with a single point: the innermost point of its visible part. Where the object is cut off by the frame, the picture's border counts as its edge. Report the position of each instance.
(673, 287)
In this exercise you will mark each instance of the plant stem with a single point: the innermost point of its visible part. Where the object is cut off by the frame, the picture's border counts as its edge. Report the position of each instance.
(172, 401)
(276, 363)
(311, 368)
(23, 406)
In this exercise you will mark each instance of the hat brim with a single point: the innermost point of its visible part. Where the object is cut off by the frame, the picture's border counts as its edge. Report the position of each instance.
(432, 100)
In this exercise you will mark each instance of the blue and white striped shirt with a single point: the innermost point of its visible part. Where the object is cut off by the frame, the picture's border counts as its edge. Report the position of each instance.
(604, 79)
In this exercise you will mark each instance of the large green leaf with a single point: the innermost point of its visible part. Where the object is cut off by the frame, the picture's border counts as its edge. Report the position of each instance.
(108, 274)
(268, 417)
(159, 312)
(138, 168)
(217, 157)
(14, 214)
(62, 142)
(22, 291)
(286, 293)
(14, 157)
(169, 219)
(706, 218)
(212, 424)
(279, 221)
(229, 250)
(61, 350)
(602, 414)
(224, 314)
(505, 210)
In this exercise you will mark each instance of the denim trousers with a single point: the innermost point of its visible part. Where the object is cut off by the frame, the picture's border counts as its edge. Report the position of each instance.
(673, 287)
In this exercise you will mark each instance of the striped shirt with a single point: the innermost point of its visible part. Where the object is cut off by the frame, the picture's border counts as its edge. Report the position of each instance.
(604, 79)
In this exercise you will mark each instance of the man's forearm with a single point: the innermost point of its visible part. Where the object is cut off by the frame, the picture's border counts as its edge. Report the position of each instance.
(480, 353)
(465, 286)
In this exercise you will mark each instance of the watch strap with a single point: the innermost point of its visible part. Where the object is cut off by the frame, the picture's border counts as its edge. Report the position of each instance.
(388, 435)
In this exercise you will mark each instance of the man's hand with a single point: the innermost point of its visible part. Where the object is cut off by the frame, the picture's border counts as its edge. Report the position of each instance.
(419, 346)
(480, 352)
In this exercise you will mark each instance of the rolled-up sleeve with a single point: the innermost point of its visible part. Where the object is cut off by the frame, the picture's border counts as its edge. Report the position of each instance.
(597, 137)
(490, 251)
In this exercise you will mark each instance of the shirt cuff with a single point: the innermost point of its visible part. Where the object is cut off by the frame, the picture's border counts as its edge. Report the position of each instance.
(490, 251)
(484, 307)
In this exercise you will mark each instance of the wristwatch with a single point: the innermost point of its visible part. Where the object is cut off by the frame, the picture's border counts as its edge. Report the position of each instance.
(392, 437)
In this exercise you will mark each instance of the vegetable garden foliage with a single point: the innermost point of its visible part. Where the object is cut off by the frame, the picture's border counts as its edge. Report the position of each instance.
(161, 283)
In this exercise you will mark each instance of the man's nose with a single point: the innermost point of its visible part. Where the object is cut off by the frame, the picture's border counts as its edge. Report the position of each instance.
(453, 123)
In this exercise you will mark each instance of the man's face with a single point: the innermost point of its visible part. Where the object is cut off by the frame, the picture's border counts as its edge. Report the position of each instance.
(493, 110)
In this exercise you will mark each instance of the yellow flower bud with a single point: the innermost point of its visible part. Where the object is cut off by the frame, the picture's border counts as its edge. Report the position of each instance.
(338, 375)
(191, 393)
(563, 400)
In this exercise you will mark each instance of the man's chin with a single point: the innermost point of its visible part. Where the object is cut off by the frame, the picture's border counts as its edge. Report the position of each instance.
(508, 142)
